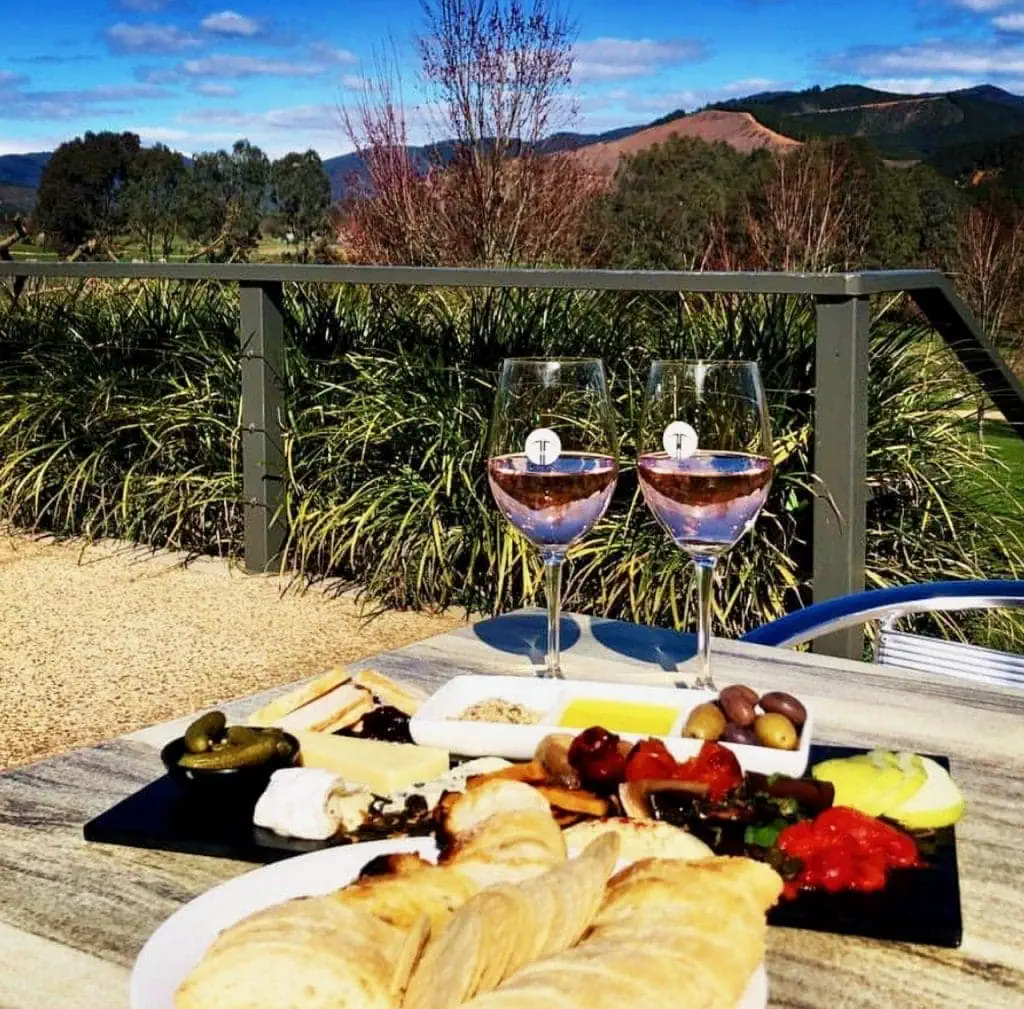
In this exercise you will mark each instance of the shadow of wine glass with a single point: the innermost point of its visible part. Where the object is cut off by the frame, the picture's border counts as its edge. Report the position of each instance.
(525, 634)
(657, 645)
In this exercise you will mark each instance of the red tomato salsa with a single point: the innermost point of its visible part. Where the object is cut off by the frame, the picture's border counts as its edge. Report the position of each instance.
(844, 849)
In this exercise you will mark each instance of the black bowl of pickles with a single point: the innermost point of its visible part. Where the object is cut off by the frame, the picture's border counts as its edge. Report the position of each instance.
(235, 760)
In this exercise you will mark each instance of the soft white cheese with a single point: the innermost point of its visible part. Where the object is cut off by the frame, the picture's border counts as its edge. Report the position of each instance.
(453, 781)
(309, 803)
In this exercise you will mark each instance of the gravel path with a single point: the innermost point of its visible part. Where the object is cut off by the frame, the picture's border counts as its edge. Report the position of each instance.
(100, 640)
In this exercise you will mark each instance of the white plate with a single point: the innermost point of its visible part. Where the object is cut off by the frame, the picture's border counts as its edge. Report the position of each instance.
(180, 942)
(436, 723)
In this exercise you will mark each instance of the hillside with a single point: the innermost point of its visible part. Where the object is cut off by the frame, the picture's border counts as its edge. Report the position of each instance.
(22, 169)
(16, 199)
(737, 129)
(346, 169)
(901, 126)
(951, 130)
(999, 164)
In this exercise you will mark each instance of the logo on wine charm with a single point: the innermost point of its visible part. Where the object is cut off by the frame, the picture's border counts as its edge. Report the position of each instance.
(680, 440)
(543, 447)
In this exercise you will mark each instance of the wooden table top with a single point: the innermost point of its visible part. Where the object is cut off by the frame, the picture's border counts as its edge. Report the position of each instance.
(74, 915)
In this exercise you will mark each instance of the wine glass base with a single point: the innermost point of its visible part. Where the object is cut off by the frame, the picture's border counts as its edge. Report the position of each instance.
(543, 673)
(700, 683)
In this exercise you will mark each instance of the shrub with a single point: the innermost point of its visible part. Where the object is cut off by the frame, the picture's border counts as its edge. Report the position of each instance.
(119, 417)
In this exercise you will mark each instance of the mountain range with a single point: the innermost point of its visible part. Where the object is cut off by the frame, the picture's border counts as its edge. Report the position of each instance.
(956, 131)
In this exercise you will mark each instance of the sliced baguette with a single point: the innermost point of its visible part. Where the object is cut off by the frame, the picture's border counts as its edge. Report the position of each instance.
(301, 695)
(339, 708)
(406, 698)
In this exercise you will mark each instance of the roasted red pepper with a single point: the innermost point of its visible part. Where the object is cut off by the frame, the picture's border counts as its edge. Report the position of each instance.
(715, 766)
(844, 849)
(650, 759)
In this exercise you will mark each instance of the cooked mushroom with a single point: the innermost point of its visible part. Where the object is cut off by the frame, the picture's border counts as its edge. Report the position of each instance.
(634, 794)
(552, 754)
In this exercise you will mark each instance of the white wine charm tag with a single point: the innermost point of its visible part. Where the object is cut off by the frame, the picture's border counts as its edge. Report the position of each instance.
(543, 447)
(679, 440)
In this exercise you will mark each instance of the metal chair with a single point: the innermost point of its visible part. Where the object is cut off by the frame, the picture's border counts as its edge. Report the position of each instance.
(910, 651)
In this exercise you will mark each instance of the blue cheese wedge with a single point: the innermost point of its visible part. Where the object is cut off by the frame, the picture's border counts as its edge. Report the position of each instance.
(453, 781)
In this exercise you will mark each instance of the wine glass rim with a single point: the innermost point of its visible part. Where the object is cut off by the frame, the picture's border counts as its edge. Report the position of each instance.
(553, 360)
(724, 362)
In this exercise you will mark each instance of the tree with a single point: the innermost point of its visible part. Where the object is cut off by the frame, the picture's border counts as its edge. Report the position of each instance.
(497, 72)
(671, 203)
(805, 215)
(302, 192)
(79, 190)
(153, 198)
(226, 198)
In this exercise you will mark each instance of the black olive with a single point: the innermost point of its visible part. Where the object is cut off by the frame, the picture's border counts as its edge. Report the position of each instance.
(416, 805)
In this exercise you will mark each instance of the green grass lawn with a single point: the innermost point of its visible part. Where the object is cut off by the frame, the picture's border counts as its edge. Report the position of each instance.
(1004, 493)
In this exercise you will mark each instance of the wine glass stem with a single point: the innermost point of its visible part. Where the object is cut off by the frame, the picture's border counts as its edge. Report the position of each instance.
(553, 591)
(705, 589)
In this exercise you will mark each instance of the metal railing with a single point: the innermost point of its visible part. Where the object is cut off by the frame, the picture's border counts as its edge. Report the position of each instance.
(841, 375)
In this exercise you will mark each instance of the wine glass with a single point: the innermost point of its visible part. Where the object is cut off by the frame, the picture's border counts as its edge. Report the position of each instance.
(705, 465)
(552, 461)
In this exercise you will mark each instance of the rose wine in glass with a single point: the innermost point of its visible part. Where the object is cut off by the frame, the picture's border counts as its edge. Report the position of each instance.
(705, 465)
(552, 462)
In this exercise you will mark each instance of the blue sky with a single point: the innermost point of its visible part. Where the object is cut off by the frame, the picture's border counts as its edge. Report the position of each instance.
(197, 74)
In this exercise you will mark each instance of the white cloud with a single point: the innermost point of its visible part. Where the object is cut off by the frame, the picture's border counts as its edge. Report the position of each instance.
(31, 145)
(982, 6)
(354, 82)
(920, 85)
(157, 75)
(9, 79)
(148, 38)
(1013, 22)
(212, 89)
(614, 59)
(247, 66)
(160, 134)
(297, 117)
(958, 59)
(72, 103)
(668, 101)
(232, 24)
(332, 54)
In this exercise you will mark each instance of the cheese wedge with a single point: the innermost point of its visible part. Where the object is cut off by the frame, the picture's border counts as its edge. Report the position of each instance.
(338, 709)
(407, 699)
(303, 694)
(383, 768)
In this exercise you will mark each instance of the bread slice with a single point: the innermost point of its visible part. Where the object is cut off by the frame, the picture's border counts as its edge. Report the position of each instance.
(301, 695)
(639, 839)
(406, 698)
(339, 708)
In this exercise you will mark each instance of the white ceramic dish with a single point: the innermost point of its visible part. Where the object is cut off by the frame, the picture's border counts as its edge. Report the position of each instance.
(180, 942)
(437, 722)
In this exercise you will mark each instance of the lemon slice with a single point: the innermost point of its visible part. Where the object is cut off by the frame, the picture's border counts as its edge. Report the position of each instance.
(937, 803)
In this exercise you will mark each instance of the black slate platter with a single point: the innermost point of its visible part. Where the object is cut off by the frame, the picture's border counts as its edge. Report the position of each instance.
(918, 906)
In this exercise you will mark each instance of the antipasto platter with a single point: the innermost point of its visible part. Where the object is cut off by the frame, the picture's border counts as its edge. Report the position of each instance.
(696, 790)
(862, 840)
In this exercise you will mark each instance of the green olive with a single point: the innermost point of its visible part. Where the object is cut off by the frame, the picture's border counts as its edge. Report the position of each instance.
(776, 731)
(205, 731)
(706, 722)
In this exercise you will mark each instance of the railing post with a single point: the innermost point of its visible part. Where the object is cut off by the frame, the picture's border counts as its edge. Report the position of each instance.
(262, 346)
(840, 458)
